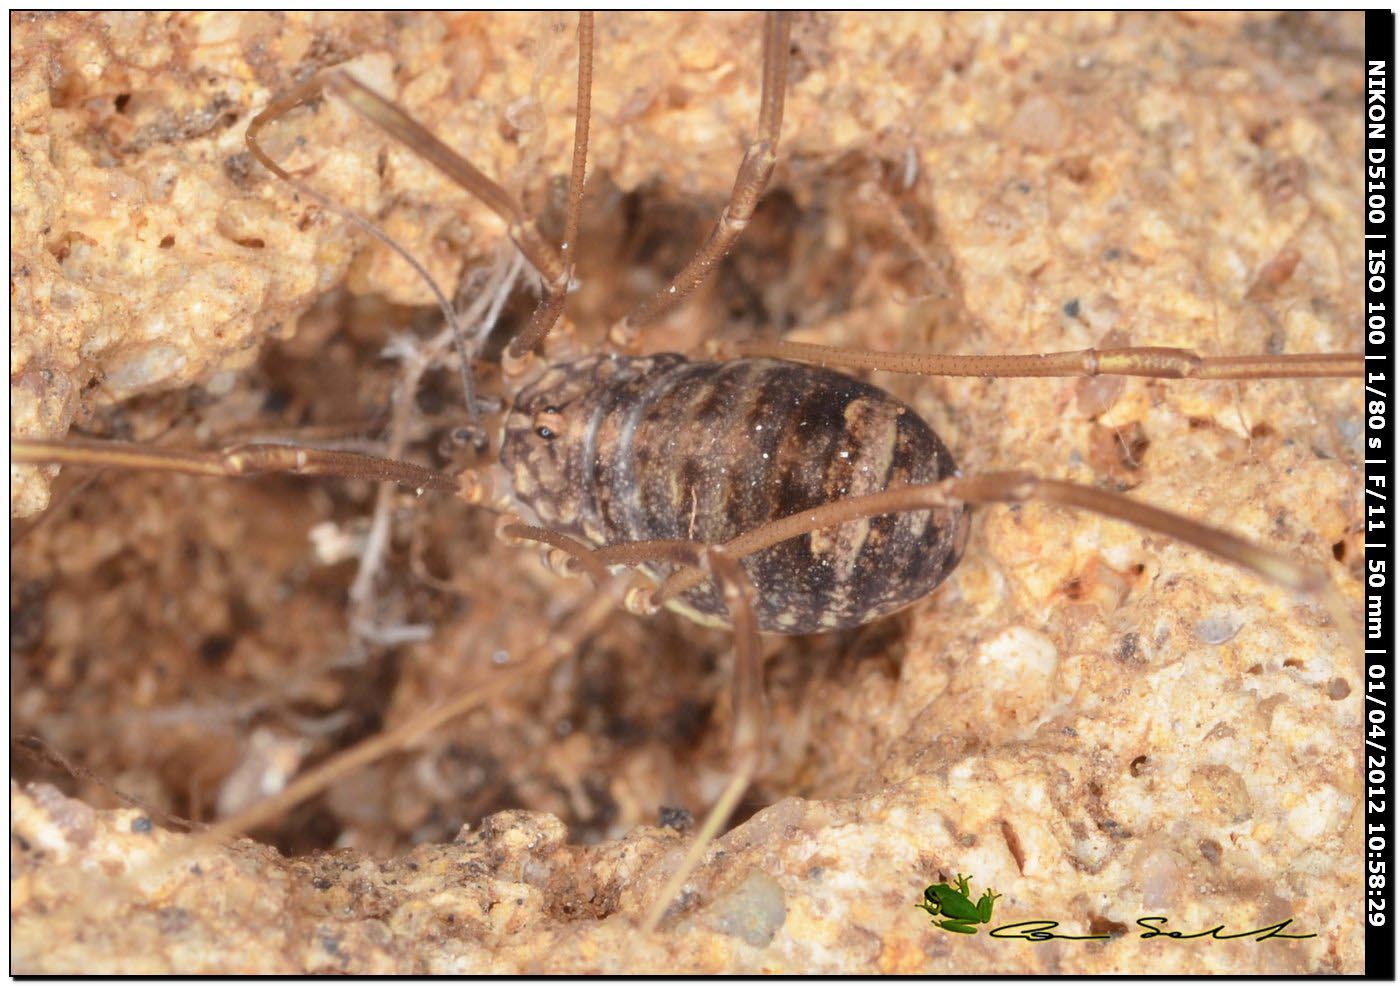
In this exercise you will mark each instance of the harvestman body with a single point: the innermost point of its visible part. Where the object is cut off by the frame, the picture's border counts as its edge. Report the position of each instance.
(762, 494)
(614, 449)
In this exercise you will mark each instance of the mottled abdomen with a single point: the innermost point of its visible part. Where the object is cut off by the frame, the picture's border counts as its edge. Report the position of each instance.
(614, 449)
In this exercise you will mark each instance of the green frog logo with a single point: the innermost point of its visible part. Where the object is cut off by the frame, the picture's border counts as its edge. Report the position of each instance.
(954, 905)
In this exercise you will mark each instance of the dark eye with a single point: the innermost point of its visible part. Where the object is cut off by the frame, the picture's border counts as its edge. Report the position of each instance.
(549, 423)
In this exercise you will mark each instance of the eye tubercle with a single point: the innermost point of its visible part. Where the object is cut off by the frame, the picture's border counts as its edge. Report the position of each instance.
(549, 423)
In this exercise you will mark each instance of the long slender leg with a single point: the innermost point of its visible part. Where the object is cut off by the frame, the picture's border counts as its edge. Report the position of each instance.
(757, 167)
(398, 124)
(402, 127)
(552, 304)
(576, 630)
(1020, 487)
(1134, 361)
(234, 460)
(747, 738)
(575, 551)
(280, 107)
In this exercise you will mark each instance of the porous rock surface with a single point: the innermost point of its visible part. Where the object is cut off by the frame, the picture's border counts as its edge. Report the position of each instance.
(1097, 723)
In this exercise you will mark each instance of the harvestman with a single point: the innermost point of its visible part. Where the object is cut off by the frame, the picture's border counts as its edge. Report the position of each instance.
(716, 578)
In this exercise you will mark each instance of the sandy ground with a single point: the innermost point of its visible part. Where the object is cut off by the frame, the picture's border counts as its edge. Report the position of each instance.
(1097, 723)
